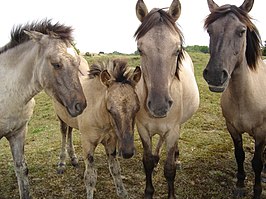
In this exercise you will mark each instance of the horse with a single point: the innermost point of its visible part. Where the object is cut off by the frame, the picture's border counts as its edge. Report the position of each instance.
(67, 147)
(108, 119)
(236, 69)
(39, 56)
(167, 90)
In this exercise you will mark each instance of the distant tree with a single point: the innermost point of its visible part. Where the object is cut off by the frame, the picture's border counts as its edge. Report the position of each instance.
(197, 48)
(264, 49)
(136, 52)
(116, 53)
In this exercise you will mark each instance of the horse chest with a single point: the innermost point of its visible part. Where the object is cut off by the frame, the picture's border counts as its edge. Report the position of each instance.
(242, 117)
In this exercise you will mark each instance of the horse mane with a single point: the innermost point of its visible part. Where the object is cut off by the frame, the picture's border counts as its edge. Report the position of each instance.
(18, 36)
(156, 17)
(117, 68)
(253, 47)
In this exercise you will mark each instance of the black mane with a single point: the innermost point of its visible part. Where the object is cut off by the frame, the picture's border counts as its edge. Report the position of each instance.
(18, 35)
(117, 68)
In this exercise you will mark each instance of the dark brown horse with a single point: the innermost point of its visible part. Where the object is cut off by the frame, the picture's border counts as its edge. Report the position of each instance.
(167, 91)
(236, 69)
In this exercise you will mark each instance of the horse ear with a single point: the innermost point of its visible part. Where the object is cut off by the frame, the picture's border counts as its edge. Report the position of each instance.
(34, 35)
(247, 5)
(105, 78)
(212, 5)
(175, 9)
(136, 76)
(141, 10)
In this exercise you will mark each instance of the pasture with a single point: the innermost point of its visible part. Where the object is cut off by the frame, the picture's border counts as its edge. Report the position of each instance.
(206, 152)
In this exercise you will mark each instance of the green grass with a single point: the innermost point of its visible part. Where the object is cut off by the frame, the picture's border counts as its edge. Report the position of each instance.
(208, 164)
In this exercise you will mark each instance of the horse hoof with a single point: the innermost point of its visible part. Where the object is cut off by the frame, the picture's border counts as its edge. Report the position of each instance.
(263, 177)
(60, 171)
(178, 165)
(239, 193)
(74, 162)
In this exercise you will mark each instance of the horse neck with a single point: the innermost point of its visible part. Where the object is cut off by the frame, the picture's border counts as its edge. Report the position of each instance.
(19, 72)
(95, 93)
(245, 83)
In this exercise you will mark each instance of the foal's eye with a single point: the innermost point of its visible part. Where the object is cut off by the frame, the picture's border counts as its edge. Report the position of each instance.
(57, 65)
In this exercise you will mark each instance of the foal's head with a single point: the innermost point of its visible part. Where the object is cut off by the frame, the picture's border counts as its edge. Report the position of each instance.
(122, 102)
(160, 45)
(234, 41)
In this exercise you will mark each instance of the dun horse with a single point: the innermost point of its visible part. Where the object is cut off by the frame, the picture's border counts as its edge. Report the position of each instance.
(108, 119)
(67, 147)
(39, 56)
(236, 69)
(167, 91)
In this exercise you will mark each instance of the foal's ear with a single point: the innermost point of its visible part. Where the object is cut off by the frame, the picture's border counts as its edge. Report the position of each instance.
(247, 5)
(34, 35)
(212, 5)
(175, 9)
(136, 76)
(141, 10)
(105, 78)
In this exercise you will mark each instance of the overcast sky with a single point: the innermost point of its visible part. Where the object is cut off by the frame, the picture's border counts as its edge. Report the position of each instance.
(109, 25)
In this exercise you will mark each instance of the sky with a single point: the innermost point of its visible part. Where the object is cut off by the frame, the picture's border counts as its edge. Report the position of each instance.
(109, 25)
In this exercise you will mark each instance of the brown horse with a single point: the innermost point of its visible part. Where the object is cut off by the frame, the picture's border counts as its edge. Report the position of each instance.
(236, 69)
(39, 56)
(167, 91)
(108, 119)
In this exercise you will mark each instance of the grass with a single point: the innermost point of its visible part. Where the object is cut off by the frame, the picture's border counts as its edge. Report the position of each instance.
(208, 164)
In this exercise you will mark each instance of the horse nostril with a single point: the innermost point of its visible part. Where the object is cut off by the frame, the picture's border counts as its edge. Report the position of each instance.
(224, 76)
(149, 104)
(170, 102)
(78, 107)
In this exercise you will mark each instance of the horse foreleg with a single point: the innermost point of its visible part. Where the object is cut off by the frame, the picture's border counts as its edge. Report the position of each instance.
(257, 165)
(170, 163)
(16, 142)
(90, 173)
(70, 148)
(240, 158)
(62, 157)
(149, 163)
(114, 168)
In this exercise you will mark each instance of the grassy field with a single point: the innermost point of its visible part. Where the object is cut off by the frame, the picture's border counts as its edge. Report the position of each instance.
(208, 164)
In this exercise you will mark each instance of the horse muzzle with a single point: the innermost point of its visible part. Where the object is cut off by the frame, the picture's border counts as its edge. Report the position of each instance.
(216, 79)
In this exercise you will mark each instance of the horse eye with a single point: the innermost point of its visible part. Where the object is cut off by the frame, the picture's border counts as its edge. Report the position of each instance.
(242, 32)
(177, 52)
(57, 65)
(140, 52)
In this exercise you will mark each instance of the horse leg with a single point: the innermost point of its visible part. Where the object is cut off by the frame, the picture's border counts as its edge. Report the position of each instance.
(170, 163)
(16, 142)
(90, 173)
(71, 149)
(62, 157)
(114, 167)
(240, 158)
(149, 162)
(257, 165)
(263, 174)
